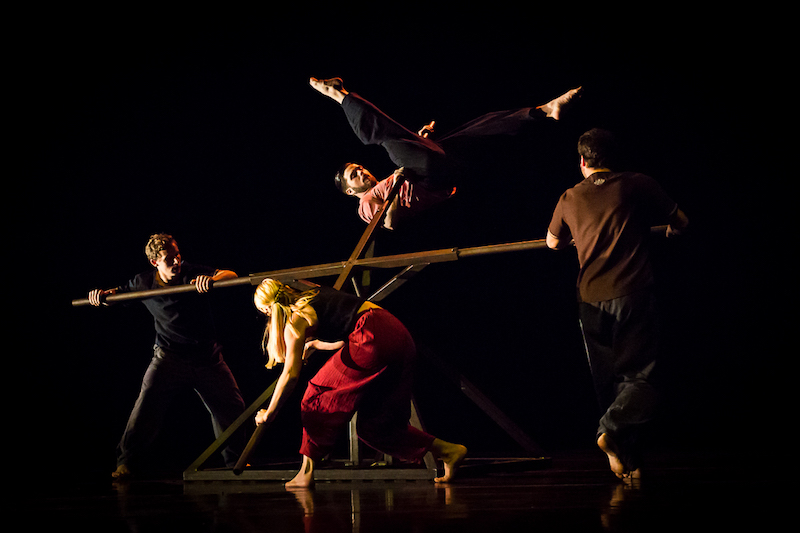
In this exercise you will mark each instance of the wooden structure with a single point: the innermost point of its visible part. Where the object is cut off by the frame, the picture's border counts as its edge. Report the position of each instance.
(410, 264)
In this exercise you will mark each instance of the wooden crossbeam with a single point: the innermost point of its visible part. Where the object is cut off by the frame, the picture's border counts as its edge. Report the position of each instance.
(328, 269)
(413, 263)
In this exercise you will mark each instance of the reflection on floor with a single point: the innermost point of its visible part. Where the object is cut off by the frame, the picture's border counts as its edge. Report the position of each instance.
(574, 492)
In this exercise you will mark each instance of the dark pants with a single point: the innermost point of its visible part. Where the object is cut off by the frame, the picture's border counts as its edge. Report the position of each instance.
(371, 374)
(437, 165)
(622, 342)
(166, 377)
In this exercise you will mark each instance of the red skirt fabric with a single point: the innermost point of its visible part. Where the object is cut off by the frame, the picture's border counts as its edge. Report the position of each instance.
(372, 375)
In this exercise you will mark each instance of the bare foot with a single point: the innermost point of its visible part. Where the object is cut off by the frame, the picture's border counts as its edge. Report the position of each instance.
(122, 473)
(451, 455)
(607, 445)
(633, 479)
(554, 107)
(332, 88)
(304, 478)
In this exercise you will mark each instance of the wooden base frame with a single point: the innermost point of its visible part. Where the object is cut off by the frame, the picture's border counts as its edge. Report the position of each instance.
(351, 470)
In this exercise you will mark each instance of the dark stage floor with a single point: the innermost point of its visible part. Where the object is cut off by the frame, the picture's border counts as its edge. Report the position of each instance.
(572, 492)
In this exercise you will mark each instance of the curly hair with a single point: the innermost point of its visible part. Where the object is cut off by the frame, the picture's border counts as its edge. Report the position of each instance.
(156, 243)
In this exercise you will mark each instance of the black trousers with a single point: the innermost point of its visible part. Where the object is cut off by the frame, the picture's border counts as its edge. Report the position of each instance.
(167, 376)
(622, 343)
(437, 165)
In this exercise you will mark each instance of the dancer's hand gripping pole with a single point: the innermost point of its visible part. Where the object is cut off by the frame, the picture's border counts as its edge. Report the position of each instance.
(241, 464)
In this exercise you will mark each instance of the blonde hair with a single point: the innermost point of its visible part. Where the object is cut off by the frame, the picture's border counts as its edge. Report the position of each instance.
(283, 301)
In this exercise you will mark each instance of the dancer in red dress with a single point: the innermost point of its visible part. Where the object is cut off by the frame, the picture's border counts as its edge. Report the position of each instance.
(371, 372)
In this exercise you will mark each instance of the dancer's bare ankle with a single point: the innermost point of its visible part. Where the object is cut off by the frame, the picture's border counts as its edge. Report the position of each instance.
(332, 88)
(452, 455)
(122, 473)
(606, 443)
(304, 478)
(554, 107)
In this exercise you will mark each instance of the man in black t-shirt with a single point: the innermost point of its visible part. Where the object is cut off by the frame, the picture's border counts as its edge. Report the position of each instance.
(186, 353)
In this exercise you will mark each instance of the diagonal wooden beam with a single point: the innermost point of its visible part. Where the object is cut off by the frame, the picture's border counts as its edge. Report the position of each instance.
(367, 236)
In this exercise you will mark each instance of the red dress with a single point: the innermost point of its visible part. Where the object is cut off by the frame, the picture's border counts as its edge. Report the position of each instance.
(372, 374)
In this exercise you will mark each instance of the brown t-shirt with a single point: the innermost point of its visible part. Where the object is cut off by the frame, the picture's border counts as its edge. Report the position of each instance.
(609, 215)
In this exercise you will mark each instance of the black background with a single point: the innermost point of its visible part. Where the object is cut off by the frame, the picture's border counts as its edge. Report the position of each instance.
(203, 125)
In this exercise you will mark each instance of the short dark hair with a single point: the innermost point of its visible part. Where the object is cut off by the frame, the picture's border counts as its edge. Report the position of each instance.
(599, 148)
(339, 180)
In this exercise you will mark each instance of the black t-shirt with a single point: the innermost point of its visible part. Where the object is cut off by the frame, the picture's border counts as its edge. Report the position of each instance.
(336, 312)
(184, 322)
